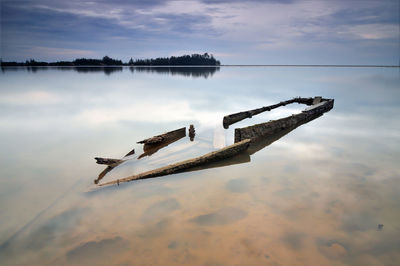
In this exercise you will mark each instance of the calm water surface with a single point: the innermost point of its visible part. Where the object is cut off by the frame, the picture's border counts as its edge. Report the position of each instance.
(327, 193)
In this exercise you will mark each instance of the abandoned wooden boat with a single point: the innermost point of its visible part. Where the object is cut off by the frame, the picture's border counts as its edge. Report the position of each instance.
(256, 137)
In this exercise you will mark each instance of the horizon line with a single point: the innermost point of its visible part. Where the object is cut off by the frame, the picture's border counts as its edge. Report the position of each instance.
(230, 65)
(310, 65)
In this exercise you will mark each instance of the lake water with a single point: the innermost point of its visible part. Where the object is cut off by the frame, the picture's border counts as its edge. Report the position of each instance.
(326, 193)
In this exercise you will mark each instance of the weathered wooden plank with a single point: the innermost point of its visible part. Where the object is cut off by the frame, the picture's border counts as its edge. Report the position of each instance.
(274, 126)
(108, 161)
(150, 149)
(226, 152)
(233, 118)
(163, 137)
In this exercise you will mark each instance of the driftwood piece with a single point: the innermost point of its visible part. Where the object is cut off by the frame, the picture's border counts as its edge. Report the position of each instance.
(163, 137)
(150, 149)
(272, 127)
(226, 152)
(107, 161)
(233, 118)
(192, 132)
(112, 163)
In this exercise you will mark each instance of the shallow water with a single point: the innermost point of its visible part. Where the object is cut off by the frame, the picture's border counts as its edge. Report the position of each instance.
(315, 196)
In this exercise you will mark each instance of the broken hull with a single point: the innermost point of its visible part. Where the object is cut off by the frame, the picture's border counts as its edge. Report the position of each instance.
(226, 152)
(272, 127)
(247, 140)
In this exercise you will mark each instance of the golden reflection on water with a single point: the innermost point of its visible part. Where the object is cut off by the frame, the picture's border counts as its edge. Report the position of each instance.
(314, 196)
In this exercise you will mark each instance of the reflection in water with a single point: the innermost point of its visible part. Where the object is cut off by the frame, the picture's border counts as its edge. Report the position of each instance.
(104, 173)
(151, 146)
(150, 149)
(97, 252)
(259, 136)
(112, 163)
(315, 197)
(81, 69)
(221, 217)
(255, 146)
(42, 236)
(106, 70)
(159, 209)
(194, 72)
(268, 140)
(238, 185)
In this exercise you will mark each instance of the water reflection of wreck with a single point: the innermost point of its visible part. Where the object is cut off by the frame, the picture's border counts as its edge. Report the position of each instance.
(248, 140)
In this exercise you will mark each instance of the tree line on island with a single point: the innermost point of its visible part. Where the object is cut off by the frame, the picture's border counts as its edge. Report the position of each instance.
(185, 60)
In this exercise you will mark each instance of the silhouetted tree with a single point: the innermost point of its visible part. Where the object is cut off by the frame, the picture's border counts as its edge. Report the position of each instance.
(189, 60)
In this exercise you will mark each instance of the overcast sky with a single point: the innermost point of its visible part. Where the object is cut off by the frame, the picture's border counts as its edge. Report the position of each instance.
(236, 32)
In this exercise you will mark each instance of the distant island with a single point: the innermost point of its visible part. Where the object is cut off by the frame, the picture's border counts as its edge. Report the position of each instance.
(185, 60)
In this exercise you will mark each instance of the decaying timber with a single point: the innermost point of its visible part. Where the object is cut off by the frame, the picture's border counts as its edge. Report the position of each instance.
(103, 173)
(272, 127)
(247, 140)
(107, 161)
(150, 149)
(112, 163)
(233, 118)
(163, 137)
(107, 170)
(226, 152)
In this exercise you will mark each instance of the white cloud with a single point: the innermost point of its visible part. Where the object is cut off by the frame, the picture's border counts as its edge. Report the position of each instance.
(270, 24)
(241, 29)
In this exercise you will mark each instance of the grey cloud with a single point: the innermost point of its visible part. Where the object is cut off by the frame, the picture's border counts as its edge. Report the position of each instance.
(167, 26)
(250, 1)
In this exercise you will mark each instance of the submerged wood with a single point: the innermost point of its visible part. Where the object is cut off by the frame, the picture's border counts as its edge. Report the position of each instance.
(248, 140)
(233, 118)
(214, 156)
(264, 129)
(150, 149)
(107, 170)
(163, 137)
(103, 174)
(112, 163)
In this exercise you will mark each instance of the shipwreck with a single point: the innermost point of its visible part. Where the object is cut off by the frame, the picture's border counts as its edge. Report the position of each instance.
(247, 141)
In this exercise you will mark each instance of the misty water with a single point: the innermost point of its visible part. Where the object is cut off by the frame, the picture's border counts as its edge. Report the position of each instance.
(327, 192)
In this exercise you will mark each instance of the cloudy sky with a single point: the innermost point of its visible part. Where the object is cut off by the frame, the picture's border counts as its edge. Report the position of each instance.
(236, 32)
